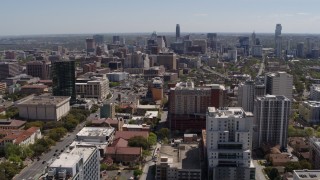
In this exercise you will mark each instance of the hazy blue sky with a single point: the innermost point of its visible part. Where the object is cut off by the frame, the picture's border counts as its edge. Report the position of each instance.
(19, 17)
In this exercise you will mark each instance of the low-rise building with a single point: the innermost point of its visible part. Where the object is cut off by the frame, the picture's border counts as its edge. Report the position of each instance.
(34, 89)
(278, 159)
(136, 127)
(182, 162)
(309, 111)
(117, 76)
(20, 137)
(99, 137)
(130, 134)
(306, 174)
(11, 124)
(82, 163)
(190, 138)
(3, 87)
(120, 152)
(315, 92)
(116, 123)
(45, 108)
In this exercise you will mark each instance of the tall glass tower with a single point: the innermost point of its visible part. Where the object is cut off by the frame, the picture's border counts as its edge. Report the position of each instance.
(63, 79)
(177, 32)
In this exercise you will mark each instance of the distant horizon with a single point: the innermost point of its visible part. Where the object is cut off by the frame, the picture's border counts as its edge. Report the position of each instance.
(147, 33)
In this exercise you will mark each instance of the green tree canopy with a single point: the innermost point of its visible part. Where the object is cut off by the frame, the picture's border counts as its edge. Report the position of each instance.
(57, 133)
(152, 139)
(163, 133)
(138, 141)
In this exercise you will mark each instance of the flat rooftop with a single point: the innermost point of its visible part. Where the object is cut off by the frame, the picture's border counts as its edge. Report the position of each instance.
(45, 100)
(69, 159)
(225, 112)
(307, 174)
(312, 103)
(187, 158)
(96, 131)
(316, 141)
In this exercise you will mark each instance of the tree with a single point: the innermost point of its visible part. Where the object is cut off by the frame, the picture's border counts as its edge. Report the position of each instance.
(41, 145)
(305, 164)
(152, 139)
(57, 133)
(12, 149)
(138, 141)
(103, 167)
(308, 131)
(290, 166)
(8, 170)
(39, 124)
(163, 133)
(137, 172)
(12, 112)
(273, 174)
(94, 108)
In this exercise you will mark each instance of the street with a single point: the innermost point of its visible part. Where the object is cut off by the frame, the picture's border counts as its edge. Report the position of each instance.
(147, 174)
(259, 173)
(261, 66)
(37, 168)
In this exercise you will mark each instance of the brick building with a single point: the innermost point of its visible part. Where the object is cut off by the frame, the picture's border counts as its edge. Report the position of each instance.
(188, 105)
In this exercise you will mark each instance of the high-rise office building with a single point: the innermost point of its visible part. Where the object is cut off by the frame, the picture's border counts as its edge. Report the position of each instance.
(98, 39)
(271, 114)
(137, 60)
(309, 111)
(253, 42)
(314, 152)
(229, 144)
(116, 39)
(212, 41)
(108, 110)
(244, 43)
(279, 83)
(39, 69)
(202, 43)
(309, 45)
(177, 32)
(8, 69)
(300, 50)
(188, 104)
(246, 96)
(168, 60)
(90, 45)
(278, 41)
(63, 79)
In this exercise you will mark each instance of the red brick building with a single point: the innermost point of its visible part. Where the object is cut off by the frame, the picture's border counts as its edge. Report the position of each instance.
(188, 105)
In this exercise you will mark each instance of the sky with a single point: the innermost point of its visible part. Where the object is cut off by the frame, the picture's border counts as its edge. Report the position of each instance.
(31, 17)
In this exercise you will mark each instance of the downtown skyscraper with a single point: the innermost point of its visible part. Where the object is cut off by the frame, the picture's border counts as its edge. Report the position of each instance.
(271, 116)
(177, 32)
(63, 79)
(278, 41)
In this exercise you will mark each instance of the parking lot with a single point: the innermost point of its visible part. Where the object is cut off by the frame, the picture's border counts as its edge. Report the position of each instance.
(112, 175)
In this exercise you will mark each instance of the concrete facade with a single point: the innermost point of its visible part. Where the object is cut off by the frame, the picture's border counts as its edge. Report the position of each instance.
(229, 143)
(45, 108)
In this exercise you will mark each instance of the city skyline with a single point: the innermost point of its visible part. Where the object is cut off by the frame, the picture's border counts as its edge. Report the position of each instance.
(81, 17)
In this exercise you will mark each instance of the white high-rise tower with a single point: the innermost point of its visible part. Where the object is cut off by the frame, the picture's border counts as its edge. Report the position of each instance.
(229, 143)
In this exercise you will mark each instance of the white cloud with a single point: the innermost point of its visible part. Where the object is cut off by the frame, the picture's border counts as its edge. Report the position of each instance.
(303, 13)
